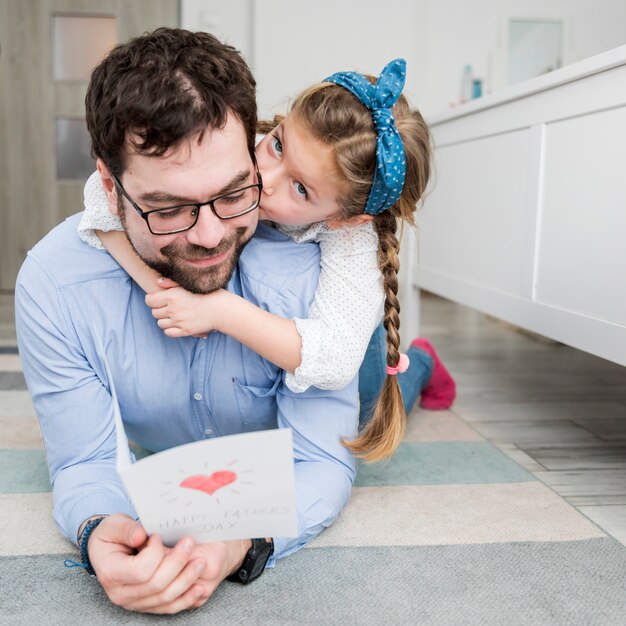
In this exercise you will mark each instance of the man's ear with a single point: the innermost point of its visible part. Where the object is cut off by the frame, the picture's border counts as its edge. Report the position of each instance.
(108, 184)
(355, 220)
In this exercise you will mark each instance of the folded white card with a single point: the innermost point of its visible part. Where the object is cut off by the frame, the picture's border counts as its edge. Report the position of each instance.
(233, 487)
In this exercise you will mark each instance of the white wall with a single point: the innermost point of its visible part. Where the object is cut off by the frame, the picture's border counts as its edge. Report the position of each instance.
(298, 43)
(469, 31)
(291, 44)
(231, 21)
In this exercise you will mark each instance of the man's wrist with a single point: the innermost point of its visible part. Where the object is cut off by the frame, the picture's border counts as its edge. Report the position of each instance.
(81, 529)
(254, 561)
(242, 549)
(87, 528)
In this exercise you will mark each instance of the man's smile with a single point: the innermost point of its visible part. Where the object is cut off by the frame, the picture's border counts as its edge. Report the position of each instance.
(208, 261)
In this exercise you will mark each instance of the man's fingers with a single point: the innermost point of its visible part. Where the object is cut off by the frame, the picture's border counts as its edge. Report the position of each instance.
(170, 567)
(132, 569)
(188, 600)
(121, 529)
(200, 602)
(186, 579)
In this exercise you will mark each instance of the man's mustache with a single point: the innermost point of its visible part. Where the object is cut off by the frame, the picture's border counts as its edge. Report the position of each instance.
(192, 252)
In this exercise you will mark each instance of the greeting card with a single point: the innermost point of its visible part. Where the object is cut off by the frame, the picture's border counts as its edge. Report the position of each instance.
(233, 487)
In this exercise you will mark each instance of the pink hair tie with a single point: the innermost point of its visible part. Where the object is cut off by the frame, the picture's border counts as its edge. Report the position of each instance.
(403, 364)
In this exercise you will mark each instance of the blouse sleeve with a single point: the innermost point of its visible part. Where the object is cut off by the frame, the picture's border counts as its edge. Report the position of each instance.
(96, 215)
(347, 307)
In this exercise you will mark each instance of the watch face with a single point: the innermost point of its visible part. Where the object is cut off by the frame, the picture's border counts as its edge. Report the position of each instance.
(257, 558)
(257, 568)
(254, 562)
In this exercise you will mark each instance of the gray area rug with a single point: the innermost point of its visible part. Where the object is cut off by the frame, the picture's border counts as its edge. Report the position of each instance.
(523, 583)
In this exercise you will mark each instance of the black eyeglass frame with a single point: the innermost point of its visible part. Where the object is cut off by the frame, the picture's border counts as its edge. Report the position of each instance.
(198, 205)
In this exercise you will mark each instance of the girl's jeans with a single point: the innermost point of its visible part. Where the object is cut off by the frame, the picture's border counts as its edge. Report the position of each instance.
(372, 375)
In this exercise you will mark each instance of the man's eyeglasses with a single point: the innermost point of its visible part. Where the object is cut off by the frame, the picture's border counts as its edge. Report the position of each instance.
(176, 219)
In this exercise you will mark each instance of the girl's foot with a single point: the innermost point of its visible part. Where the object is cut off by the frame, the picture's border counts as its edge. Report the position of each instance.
(440, 391)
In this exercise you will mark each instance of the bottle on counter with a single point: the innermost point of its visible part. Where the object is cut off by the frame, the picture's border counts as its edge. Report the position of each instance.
(466, 84)
(477, 88)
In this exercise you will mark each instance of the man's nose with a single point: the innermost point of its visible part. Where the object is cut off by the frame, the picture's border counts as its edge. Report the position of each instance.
(208, 231)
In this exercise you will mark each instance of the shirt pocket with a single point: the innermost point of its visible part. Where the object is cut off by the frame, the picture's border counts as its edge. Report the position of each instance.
(257, 405)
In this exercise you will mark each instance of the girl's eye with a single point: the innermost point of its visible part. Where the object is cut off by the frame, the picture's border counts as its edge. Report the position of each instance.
(277, 145)
(301, 190)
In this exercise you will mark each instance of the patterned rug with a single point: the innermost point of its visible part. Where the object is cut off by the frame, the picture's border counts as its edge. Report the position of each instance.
(450, 531)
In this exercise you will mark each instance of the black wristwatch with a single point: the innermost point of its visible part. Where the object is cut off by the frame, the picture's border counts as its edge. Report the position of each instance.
(254, 562)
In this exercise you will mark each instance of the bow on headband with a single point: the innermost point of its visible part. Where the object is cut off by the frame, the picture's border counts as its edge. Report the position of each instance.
(390, 161)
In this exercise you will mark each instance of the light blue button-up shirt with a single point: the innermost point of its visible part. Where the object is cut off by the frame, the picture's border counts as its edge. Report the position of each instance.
(76, 307)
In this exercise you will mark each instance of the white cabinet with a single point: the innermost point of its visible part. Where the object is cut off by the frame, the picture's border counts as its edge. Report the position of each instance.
(526, 219)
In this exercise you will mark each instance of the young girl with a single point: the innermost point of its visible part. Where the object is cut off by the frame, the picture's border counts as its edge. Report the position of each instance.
(348, 161)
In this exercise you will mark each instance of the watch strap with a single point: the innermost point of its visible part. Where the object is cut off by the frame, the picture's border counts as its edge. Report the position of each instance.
(254, 562)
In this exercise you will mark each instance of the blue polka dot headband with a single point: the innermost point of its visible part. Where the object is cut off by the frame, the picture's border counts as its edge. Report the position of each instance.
(390, 160)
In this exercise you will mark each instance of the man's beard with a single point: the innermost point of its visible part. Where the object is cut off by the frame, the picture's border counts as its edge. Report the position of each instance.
(196, 279)
(200, 279)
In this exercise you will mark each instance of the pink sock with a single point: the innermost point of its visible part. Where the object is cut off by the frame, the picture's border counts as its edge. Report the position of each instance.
(440, 391)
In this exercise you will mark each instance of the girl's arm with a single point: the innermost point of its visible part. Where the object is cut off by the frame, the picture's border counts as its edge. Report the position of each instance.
(120, 249)
(274, 338)
(181, 313)
(347, 308)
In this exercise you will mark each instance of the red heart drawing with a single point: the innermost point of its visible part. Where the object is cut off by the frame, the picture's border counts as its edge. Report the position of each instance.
(210, 484)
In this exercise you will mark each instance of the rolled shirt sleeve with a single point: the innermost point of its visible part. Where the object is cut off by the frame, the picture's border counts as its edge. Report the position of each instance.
(324, 467)
(73, 407)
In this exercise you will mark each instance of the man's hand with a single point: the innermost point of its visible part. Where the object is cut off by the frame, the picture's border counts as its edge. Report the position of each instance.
(145, 576)
(181, 313)
(223, 558)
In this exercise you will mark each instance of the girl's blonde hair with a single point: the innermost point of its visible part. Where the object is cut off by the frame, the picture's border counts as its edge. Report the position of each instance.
(339, 119)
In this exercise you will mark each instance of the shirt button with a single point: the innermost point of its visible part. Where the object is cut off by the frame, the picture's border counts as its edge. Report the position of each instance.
(208, 431)
(197, 396)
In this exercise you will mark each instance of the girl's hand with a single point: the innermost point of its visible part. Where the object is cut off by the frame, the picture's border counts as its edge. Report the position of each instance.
(166, 283)
(181, 313)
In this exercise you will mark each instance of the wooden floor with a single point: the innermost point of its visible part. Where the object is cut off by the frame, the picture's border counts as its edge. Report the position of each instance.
(558, 412)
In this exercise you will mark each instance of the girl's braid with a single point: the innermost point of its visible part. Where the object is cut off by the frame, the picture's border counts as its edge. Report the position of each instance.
(388, 247)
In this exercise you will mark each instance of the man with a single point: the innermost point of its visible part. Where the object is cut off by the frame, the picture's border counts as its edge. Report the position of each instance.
(172, 119)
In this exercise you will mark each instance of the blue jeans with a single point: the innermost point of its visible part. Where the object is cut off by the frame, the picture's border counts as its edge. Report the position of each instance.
(373, 373)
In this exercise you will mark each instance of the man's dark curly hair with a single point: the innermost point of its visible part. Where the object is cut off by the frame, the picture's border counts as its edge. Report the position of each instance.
(163, 87)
